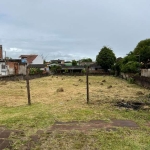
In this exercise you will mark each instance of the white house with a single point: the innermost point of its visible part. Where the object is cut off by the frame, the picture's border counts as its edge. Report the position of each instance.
(32, 59)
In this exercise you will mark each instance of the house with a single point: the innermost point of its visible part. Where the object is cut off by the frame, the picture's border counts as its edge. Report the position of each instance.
(94, 66)
(12, 67)
(95, 69)
(86, 63)
(57, 61)
(71, 69)
(32, 59)
(3, 67)
(16, 66)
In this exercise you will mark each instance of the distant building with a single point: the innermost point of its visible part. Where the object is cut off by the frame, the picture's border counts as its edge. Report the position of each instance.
(57, 61)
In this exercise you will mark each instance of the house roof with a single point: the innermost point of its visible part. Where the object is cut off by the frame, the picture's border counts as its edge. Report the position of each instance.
(54, 64)
(68, 64)
(29, 58)
(86, 63)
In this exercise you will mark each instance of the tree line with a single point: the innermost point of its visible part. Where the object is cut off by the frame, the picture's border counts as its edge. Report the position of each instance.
(132, 63)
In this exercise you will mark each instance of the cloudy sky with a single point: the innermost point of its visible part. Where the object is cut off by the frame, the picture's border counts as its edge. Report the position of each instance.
(72, 29)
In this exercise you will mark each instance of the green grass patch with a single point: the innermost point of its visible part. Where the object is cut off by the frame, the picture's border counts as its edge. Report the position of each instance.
(49, 106)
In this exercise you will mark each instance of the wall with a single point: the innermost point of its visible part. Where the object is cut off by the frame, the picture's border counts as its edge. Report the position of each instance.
(145, 72)
(126, 75)
(22, 69)
(11, 77)
(10, 67)
(0, 68)
(38, 60)
(97, 71)
(142, 81)
(139, 80)
(21, 77)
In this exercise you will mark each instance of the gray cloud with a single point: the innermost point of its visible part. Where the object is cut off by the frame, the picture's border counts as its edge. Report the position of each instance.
(72, 29)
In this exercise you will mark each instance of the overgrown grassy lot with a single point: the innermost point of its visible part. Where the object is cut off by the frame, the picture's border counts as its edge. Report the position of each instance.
(49, 105)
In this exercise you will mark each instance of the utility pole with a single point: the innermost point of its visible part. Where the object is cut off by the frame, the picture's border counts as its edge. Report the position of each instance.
(87, 83)
(28, 85)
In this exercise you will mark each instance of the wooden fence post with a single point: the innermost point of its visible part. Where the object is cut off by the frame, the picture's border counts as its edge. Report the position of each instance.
(87, 83)
(28, 86)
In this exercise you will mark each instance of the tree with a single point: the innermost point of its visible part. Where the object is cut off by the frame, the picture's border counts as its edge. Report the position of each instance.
(74, 63)
(86, 60)
(130, 67)
(106, 58)
(55, 68)
(129, 57)
(130, 63)
(143, 50)
(116, 68)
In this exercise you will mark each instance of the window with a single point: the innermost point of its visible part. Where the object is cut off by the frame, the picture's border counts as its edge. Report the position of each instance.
(3, 66)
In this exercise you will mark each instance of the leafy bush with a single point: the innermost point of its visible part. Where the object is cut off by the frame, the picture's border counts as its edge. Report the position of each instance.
(35, 71)
(83, 71)
(55, 68)
(130, 67)
(131, 80)
(66, 70)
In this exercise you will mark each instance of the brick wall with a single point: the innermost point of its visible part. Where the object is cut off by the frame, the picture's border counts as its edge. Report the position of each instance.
(11, 67)
(1, 52)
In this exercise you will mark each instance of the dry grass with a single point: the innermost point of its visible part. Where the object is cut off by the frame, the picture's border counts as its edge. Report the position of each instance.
(49, 106)
(70, 104)
(43, 90)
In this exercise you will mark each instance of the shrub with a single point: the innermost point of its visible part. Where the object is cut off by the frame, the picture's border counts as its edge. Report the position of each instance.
(131, 80)
(35, 71)
(130, 67)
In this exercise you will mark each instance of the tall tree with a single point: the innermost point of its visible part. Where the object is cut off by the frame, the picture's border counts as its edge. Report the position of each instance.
(106, 58)
(142, 50)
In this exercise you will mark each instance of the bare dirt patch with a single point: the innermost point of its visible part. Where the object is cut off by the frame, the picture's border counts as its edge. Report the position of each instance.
(93, 124)
(31, 141)
(133, 105)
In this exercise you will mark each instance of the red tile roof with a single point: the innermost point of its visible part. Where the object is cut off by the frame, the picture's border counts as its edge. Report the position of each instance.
(29, 58)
